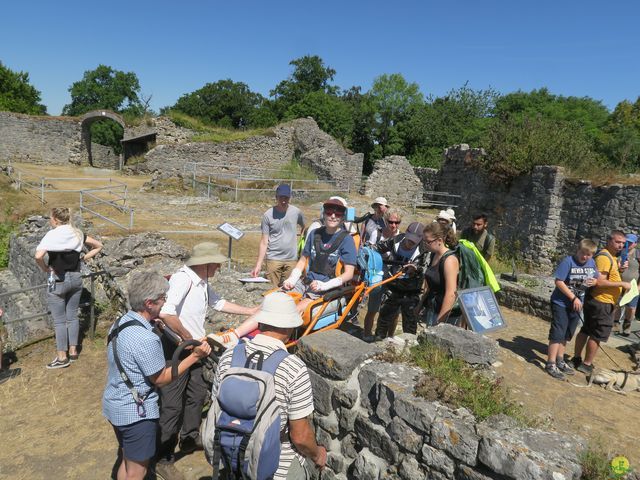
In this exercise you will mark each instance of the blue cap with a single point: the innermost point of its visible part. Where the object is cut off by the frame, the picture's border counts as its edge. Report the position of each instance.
(283, 191)
(632, 238)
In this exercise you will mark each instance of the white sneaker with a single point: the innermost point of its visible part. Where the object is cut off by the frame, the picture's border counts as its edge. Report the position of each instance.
(226, 340)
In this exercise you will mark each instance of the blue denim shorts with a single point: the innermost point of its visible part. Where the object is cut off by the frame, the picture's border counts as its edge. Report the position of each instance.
(137, 440)
(564, 323)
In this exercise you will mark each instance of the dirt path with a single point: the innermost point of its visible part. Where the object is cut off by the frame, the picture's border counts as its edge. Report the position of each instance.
(52, 425)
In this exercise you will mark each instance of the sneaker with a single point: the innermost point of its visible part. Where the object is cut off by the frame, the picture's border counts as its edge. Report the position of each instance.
(168, 471)
(6, 374)
(59, 363)
(73, 358)
(225, 340)
(565, 368)
(190, 444)
(584, 368)
(575, 362)
(369, 338)
(552, 370)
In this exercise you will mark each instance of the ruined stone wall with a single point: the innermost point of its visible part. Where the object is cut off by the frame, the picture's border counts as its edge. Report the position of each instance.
(428, 176)
(39, 139)
(394, 178)
(538, 218)
(104, 157)
(374, 426)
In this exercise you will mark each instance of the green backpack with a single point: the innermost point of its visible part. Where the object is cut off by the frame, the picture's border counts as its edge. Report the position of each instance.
(474, 269)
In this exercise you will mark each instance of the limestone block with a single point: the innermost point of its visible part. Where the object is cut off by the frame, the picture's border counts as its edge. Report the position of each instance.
(437, 459)
(346, 419)
(376, 439)
(465, 472)
(322, 390)
(345, 396)
(410, 469)
(348, 446)
(329, 423)
(336, 462)
(471, 347)
(405, 436)
(368, 466)
(322, 436)
(381, 383)
(334, 354)
(416, 411)
(457, 437)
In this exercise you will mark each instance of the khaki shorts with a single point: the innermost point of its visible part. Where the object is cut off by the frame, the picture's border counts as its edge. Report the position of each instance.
(279, 270)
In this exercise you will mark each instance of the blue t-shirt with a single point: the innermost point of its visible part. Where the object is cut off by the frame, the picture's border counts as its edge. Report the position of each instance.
(346, 253)
(573, 274)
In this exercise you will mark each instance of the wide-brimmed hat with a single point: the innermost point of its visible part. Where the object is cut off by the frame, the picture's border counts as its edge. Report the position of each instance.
(335, 202)
(445, 215)
(279, 310)
(380, 201)
(414, 232)
(205, 252)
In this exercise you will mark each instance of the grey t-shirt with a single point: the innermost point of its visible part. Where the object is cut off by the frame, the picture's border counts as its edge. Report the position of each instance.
(281, 228)
(634, 267)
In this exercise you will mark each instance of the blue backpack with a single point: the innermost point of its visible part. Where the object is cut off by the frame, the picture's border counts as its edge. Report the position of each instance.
(370, 264)
(242, 428)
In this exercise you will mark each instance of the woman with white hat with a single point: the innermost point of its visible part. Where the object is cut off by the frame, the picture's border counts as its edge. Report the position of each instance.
(447, 218)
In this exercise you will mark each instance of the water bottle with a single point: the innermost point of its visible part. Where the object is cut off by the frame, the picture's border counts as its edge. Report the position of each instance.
(51, 281)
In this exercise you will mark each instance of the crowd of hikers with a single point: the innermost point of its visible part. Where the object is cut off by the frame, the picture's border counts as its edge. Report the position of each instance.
(259, 421)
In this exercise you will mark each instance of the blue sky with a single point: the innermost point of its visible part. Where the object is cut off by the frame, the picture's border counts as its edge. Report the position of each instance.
(581, 48)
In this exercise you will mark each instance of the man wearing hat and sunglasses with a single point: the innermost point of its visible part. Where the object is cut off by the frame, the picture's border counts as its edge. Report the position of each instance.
(375, 223)
(277, 319)
(184, 312)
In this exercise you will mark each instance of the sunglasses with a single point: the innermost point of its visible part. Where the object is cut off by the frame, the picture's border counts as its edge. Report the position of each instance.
(391, 222)
(334, 211)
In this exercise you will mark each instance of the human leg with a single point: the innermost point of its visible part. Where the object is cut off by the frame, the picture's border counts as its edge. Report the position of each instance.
(72, 299)
(408, 306)
(57, 307)
(388, 312)
(196, 395)
(373, 307)
(138, 443)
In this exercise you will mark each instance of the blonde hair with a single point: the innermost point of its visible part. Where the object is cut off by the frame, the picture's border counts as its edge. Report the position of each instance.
(442, 232)
(392, 212)
(587, 244)
(63, 215)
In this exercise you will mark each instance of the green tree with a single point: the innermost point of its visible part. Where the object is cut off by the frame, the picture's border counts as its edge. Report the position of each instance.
(309, 75)
(17, 94)
(105, 88)
(392, 97)
(364, 122)
(332, 114)
(621, 143)
(224, 103)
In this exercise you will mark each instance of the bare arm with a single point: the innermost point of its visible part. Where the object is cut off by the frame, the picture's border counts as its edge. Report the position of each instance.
(163, 377)
(262, 251)
(95, 247)
(566, 291)
(603, 281)
(174, 323)
(451, 269)
(40, 260)
(303, 438)
(230, 307)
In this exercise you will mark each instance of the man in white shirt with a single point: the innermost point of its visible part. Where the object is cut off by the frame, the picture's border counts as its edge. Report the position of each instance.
(184, 312)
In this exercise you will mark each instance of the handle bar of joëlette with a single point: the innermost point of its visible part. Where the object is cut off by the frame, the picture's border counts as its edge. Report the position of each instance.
(175, 360)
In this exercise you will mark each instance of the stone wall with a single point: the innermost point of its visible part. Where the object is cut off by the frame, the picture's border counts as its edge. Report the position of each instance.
(538, 218)
(394, 178)
(428, 176)
(43, 140)
(104, 157)
(374, 427)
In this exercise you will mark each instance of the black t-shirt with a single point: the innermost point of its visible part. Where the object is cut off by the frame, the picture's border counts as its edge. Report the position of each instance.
(63, 262)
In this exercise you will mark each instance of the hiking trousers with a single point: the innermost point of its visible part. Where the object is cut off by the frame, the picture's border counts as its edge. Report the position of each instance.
(63, 304)
(395, 302)
(181, 405)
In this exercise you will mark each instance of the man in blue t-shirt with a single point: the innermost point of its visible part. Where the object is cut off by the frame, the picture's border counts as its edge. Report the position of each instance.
(573, 275)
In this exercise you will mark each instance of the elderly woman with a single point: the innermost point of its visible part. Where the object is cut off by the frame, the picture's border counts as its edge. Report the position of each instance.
(64, 244)
(139, 352)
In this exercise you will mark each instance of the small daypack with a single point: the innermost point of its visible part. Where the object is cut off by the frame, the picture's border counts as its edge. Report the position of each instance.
(370, 264)
(474, 269)
(242, 428)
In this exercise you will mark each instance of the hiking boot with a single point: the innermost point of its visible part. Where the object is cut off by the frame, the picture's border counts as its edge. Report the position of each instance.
(584, 368)
(225, 340)
(59, 363)
(190, 444)
(565, 368)
(73, 358)
(575, 362)
(6, 374)
(168, 471)
(370, 338)
(552, 370)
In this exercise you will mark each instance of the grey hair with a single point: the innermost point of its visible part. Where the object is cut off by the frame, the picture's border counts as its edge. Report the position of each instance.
(392, 212)
(146, 285)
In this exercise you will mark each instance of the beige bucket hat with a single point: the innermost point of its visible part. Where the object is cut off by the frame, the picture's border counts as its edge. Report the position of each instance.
(279, 310)
(205, 252)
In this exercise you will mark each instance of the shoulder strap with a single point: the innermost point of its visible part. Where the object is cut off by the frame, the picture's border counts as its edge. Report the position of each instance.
(239, 357)
(445, 255)
(603, 252)
(317, 241)
(113, 337)
(273, 361)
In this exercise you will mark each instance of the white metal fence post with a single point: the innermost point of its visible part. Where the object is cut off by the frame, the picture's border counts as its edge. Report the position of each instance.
(42, 190)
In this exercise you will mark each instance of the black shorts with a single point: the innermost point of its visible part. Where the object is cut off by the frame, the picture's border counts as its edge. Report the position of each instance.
(598, 319)
(138, 440)
(564, 323)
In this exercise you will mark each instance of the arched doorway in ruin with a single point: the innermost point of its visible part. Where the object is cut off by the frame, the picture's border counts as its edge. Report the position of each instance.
(99, 155)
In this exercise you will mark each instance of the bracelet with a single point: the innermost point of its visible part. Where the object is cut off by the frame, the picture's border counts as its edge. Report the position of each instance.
(574, 299)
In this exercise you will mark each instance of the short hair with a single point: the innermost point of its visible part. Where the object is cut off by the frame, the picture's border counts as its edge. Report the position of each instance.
(145, 285)
(616, 233)
(587, 244)
(481, 216)
(392, 212)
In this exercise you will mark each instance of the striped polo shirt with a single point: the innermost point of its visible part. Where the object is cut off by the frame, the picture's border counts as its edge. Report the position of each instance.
(140, 353)
(293, 391)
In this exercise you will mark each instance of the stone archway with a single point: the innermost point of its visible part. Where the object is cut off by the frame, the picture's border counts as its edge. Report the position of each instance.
(85, 126)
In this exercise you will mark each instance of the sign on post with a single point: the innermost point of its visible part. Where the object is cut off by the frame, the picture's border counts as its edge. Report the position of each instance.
(233, 233)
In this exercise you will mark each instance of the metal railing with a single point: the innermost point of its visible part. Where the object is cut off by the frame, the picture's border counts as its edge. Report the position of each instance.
(84, 207)
(91, 303)
(438, 199)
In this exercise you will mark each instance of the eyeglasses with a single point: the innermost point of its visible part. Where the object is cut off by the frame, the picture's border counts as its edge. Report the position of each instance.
(429, 242)
(161, 297)
(334, 211)
(391, 222)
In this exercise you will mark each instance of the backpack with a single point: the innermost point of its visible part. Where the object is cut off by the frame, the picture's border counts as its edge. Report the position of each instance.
(243, 424)
(474, 269)
(370, 264)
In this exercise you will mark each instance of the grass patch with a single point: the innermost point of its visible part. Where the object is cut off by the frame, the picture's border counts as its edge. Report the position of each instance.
(595, 461)
(210, 133)
(454, 382)
(293, 170)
